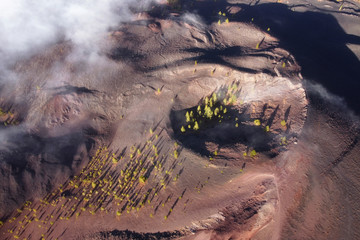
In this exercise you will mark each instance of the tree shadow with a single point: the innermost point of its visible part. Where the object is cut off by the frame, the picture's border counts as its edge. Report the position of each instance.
(234, 128)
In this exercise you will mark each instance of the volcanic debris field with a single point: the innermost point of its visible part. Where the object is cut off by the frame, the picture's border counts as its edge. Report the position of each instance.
(194, 120)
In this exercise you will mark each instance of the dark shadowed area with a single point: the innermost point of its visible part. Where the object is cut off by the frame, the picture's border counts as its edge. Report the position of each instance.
(191, 120)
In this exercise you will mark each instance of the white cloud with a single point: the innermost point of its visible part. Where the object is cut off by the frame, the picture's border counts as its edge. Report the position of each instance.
(27, 26)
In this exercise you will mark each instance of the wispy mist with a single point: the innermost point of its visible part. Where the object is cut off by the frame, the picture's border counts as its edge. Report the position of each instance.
(193, 19)
(28, 26)
(337, 103)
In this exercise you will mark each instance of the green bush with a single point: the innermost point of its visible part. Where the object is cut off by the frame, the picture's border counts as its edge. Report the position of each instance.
(142, 179)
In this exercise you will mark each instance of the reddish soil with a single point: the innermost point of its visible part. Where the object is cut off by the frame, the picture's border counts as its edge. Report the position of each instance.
(105, 151)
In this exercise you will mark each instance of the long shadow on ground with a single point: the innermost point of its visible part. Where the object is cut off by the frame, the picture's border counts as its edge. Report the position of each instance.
(316, 40)
(318, 43)
(225, 133)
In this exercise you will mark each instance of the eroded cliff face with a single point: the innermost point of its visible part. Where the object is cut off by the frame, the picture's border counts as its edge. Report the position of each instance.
(195, 129)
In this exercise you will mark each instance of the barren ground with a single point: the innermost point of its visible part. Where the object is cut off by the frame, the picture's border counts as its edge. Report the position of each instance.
(108, 152)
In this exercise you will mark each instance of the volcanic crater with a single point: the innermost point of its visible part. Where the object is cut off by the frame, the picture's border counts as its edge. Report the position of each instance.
(181, 129)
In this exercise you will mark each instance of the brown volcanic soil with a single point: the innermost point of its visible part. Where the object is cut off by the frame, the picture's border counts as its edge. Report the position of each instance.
(301, 184)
